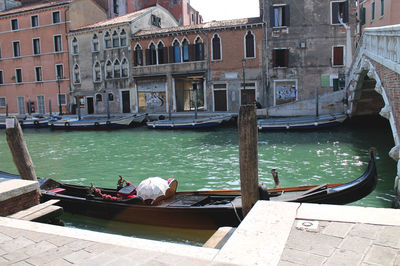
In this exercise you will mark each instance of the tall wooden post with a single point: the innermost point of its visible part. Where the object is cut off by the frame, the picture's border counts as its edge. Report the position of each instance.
(248, 156)
(19, 151)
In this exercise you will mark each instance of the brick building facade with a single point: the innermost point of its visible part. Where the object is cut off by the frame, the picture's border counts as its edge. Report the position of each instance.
(377, 13)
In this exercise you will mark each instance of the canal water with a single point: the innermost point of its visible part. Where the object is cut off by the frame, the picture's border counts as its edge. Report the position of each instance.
(206, 160)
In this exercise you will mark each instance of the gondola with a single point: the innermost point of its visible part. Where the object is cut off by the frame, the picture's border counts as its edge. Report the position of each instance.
(198, 209)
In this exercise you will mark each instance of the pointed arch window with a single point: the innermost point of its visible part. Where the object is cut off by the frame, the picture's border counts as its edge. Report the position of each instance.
(185, 50)
(216, 47)
(138, 56)
(115, 39)
(160, 53)
(109, 70)
(199, 49)
(177, 52)
(97, 72)
(122, 37)
(250, 43)
(107, 40)
(125, 68)
(75, 48)
(152, 54)
(95, 43)
(77, 74)
(117, 69)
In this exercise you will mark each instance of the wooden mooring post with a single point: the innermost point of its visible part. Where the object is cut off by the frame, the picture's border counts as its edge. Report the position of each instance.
(248, 156)
(19, 151)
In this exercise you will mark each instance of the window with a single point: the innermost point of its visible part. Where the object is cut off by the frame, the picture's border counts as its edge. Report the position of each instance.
(77, 74)
(220, 98)
(41, 104)
(21, 104)
(2, 102)
(338, 55)
(117, 69)
(122, 37)
(280, 16)
(38, 73)
(109, 70)
(138, 56)
(339, 9)
(382, 8)
(216, 48)
(249, 41)
(160, 53)
(36, 46)
(155, 21)
(62, 99)
(1, 77)
(99, 97)
(75, 49)
(0, 52)
(115, 39)
(97, 72)
(59, 71)
(14, 24)
(185, 50)
(95, 43)
(111, 97)
(199, 49)
(34, 21)
(151, 55)
(56, 17)
(125, 68)
(280, 57)
(177, 52)
(362, 15)
(107, 40)
(18, 75)
(16, 49)
(373, 11)
(57, 43)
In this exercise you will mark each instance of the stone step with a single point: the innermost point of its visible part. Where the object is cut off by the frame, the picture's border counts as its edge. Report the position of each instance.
(39, 212)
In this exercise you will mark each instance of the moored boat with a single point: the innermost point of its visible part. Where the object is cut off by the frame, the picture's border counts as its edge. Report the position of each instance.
(301, 122)
(198, 209)
(97, 122)
(29, 122)
(189, 123)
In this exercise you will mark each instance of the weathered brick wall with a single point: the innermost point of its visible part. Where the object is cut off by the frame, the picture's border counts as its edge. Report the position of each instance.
(391, 83)
(19, 203)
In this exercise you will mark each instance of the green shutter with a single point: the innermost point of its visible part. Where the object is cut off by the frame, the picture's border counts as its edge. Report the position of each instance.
(325, 81)
(335, 84)
(373, 11)
(362, 15)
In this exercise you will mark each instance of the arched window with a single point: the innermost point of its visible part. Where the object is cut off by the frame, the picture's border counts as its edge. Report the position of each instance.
(75, 48)
(177, 52)
(109, 70)
(138, 56)
(115, 39)
(117, 69)
(216, 47)
(122, 37)
(97, 72)
(249, 44)
(151, 54)
(199, 49)
(160, 53)
(77, 74)
(125, 68)
(107, 40)
(185, 50)
(95, 43)
(99, 97)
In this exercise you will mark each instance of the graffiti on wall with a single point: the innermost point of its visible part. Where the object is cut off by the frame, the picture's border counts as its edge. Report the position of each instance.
(286, 91)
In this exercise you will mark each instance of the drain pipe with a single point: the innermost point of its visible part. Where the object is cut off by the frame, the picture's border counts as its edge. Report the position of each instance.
(349, 55)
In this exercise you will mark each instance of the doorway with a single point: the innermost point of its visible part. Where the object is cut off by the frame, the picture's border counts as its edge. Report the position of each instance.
(90, 106)
(126, 102)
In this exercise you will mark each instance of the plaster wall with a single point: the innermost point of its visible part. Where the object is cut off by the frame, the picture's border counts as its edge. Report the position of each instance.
(391, 14)
(78, 14)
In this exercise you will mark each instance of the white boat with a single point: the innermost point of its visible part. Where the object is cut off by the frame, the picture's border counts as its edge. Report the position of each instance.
(189, 123)
(97, 122)
(28, 122)
(301, 122)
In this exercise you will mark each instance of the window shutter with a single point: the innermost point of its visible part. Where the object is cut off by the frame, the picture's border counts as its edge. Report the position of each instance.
(287, 15)
(165, 54)
(274, 58)
(135, 58)
(170, 54)
(192, 52)
(335, 12)
(346, 12)
(338, 56)
(271, 16)
(362, 15)
(148, 57)
(286, 57)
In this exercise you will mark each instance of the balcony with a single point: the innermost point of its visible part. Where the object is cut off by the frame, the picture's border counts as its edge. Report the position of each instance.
(170, 68)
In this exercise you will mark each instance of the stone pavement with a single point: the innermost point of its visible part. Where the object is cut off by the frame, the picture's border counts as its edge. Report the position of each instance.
(274, 233)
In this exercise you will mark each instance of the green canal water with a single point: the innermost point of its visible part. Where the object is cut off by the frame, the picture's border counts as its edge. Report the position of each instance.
(205, 160)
